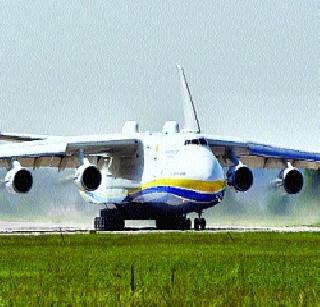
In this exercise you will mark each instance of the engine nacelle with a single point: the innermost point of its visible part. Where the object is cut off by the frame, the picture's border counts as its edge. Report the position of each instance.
(18, 180)
(291, 180)
(240, 177)
(88, 177)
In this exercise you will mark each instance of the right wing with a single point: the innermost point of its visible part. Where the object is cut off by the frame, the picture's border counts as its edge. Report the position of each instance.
(65, 152)
(4, 136)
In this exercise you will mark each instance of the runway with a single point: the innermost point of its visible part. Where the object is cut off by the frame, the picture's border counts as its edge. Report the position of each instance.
(36, 228)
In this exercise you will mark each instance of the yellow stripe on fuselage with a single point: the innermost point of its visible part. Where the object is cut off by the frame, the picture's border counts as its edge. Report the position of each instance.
(190, 184)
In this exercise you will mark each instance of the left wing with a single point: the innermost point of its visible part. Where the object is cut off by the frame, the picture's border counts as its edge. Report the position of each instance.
(253, 154)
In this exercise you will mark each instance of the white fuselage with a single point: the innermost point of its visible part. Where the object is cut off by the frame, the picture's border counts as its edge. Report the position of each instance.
(170, 169)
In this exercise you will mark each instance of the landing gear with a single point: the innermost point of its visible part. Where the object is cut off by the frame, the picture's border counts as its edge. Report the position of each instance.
(188, 224)
(109, 219)
(114, 220)
(173, 223)
(199, 223)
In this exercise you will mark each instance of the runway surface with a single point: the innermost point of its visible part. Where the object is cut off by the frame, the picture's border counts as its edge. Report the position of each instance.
(38, 228)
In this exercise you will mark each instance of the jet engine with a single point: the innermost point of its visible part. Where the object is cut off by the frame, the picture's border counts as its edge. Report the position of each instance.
(240, 177)
(291, 179)
(18, 180)
(88, 177)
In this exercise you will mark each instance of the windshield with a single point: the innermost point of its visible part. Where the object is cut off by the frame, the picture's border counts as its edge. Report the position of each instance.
(201, 141)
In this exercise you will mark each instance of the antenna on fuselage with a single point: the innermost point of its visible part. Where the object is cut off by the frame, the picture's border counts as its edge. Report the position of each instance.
(191, 122)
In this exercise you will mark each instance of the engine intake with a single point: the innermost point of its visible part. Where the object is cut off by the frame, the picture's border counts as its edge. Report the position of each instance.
(88, 177)
(292, 180)
(19, 180)
(240, 177)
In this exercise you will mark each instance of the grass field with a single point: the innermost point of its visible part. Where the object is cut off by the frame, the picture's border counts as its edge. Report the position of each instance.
(169, 269)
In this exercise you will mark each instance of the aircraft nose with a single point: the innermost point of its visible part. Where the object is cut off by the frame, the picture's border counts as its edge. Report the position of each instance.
(200, 163)
(204, 163)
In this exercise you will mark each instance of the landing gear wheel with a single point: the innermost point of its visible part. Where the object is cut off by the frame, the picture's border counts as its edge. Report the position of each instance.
(196, 224)
(109, 220)
(199, 223)
(173, 223)
(202, 223)
(187, 224)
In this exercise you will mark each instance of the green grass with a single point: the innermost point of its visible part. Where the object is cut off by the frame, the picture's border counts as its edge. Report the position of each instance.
(173, 269)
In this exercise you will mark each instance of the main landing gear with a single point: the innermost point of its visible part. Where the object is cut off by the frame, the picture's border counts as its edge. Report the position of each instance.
(114, 220)
(176, 222)
(109, 220)
(199, 223)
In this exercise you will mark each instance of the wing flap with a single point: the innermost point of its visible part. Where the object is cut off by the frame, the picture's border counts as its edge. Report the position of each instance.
(114, 147)
(60, 163)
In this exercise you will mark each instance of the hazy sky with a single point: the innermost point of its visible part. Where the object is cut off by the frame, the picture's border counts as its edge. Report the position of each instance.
(74, 67)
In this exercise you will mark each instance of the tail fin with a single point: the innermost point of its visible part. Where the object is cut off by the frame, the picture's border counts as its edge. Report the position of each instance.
(191, 122)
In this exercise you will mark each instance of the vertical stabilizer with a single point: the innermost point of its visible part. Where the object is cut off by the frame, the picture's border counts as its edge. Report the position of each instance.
(191, 123)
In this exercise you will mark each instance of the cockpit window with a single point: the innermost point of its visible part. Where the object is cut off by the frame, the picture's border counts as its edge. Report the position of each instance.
(202, 142)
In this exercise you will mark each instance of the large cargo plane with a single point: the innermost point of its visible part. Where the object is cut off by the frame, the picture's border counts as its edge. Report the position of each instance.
(161, 176)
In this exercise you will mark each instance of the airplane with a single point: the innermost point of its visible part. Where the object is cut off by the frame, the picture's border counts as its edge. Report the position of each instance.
(160, 176)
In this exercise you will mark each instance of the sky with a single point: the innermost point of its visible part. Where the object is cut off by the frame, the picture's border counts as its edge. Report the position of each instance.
(85, 67)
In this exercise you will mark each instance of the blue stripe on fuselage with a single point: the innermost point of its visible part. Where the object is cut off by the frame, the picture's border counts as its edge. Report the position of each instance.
(183, 193)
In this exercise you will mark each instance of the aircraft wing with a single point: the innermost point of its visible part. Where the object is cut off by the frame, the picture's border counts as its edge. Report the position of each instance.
(64, 152)
(260, 155)
(4, 136)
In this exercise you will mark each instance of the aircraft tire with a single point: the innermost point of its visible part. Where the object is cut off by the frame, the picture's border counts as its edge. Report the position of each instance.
(109, 220)
(196, 224)
(202, 223)
(173, 223)
(187, 224)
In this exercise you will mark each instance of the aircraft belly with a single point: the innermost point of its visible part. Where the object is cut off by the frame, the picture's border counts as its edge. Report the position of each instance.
(167, 191)
(176, 200)
(179, 191)
(109, 196)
